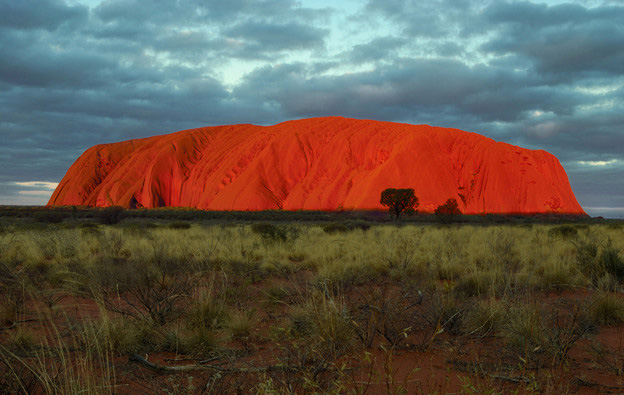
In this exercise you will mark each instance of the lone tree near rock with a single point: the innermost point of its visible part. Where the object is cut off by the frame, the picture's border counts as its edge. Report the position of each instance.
(447, 211)
(399, 200)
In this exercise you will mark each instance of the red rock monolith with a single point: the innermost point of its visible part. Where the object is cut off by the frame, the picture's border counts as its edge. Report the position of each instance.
(318, 164)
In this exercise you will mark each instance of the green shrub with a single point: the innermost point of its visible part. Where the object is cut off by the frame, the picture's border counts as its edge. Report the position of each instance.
(121, 335)
(586, 253)
(49, 216)
(276, 294)
(486, 317)
(200, 342)
(23, 341)
(563, 231)
(480, 283)
(179, 225)
(607, 309)
(523, 329)
(240, 324)
(611, 262)
(335, 227)
(271, 233)
(448, 211)
(88, 225)
(207, 314)
(145, 289)
(447, 313)
(112, 215)
(323, 321)
(343, 227)
(595, 261)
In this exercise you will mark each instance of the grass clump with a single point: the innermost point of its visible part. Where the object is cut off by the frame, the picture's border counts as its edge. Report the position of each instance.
(611, 262)
(240, 324)
(607, 309)
(480, 283)
(323, 322)
(24, 341)
(344, 227)
(598, 259)
(204, 320)
(179, 225)
(272, 234)
(486, 317)
(523, 328)
(563, 231)
(335, 227)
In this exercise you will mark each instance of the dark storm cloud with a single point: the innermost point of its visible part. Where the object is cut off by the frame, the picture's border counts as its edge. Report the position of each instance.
(541, 76)
(72, 78)
(434, 19)
(562, 40)
(406, 87)
(40, 65)
(268, 37)
(39, 14)
(378, 49)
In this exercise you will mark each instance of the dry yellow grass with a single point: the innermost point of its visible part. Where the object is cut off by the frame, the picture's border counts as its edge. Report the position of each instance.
(497, 268)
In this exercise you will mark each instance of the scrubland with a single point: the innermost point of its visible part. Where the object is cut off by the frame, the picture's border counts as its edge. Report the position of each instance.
(184, 307)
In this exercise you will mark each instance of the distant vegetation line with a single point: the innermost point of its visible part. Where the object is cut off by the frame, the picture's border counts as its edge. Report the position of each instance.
(67, 213)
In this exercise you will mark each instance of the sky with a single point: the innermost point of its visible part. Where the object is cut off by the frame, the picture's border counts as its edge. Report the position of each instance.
(541, 75)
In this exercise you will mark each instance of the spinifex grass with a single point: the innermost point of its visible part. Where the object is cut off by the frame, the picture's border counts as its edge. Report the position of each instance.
(293, 306)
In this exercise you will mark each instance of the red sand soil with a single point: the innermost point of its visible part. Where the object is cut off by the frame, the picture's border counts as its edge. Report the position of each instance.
(449, 364)
(318, 164)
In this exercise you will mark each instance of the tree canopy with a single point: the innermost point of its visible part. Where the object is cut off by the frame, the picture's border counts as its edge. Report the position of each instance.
(399, 200)
(447, 211)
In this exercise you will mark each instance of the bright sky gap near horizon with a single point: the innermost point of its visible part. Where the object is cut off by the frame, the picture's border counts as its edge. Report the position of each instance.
(542, 75)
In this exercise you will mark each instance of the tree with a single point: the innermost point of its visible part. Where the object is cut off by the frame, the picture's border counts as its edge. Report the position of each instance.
(447, 211)
(399, 200)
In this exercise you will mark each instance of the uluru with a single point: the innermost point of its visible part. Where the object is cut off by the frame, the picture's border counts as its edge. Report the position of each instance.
(325, 163)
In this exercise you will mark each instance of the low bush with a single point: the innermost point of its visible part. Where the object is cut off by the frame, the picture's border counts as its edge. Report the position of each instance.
(596, 260)
(144, 289)
(607, 309)
(240, 324)
(323, 321)
(208, 313)
(486, 317)
(343, 227)
(480, 284)
(523, 331)
(179, 225)
(611, 262)
(271, 233)
(447, 313)
(49, 216)
(335, 227)
(112, 215)
(447, 212)
(563, 231)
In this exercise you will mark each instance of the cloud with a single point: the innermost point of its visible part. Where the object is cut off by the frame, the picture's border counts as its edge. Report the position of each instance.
(40, 14)
(26, 192)
(566, 40)
(529, 73)
(406, 89)
(378, 49)
(42, 193)
(598, 162)
(50, 186)
(261, 39)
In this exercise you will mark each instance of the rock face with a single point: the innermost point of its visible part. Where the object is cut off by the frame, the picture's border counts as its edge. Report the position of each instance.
(318, 164)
